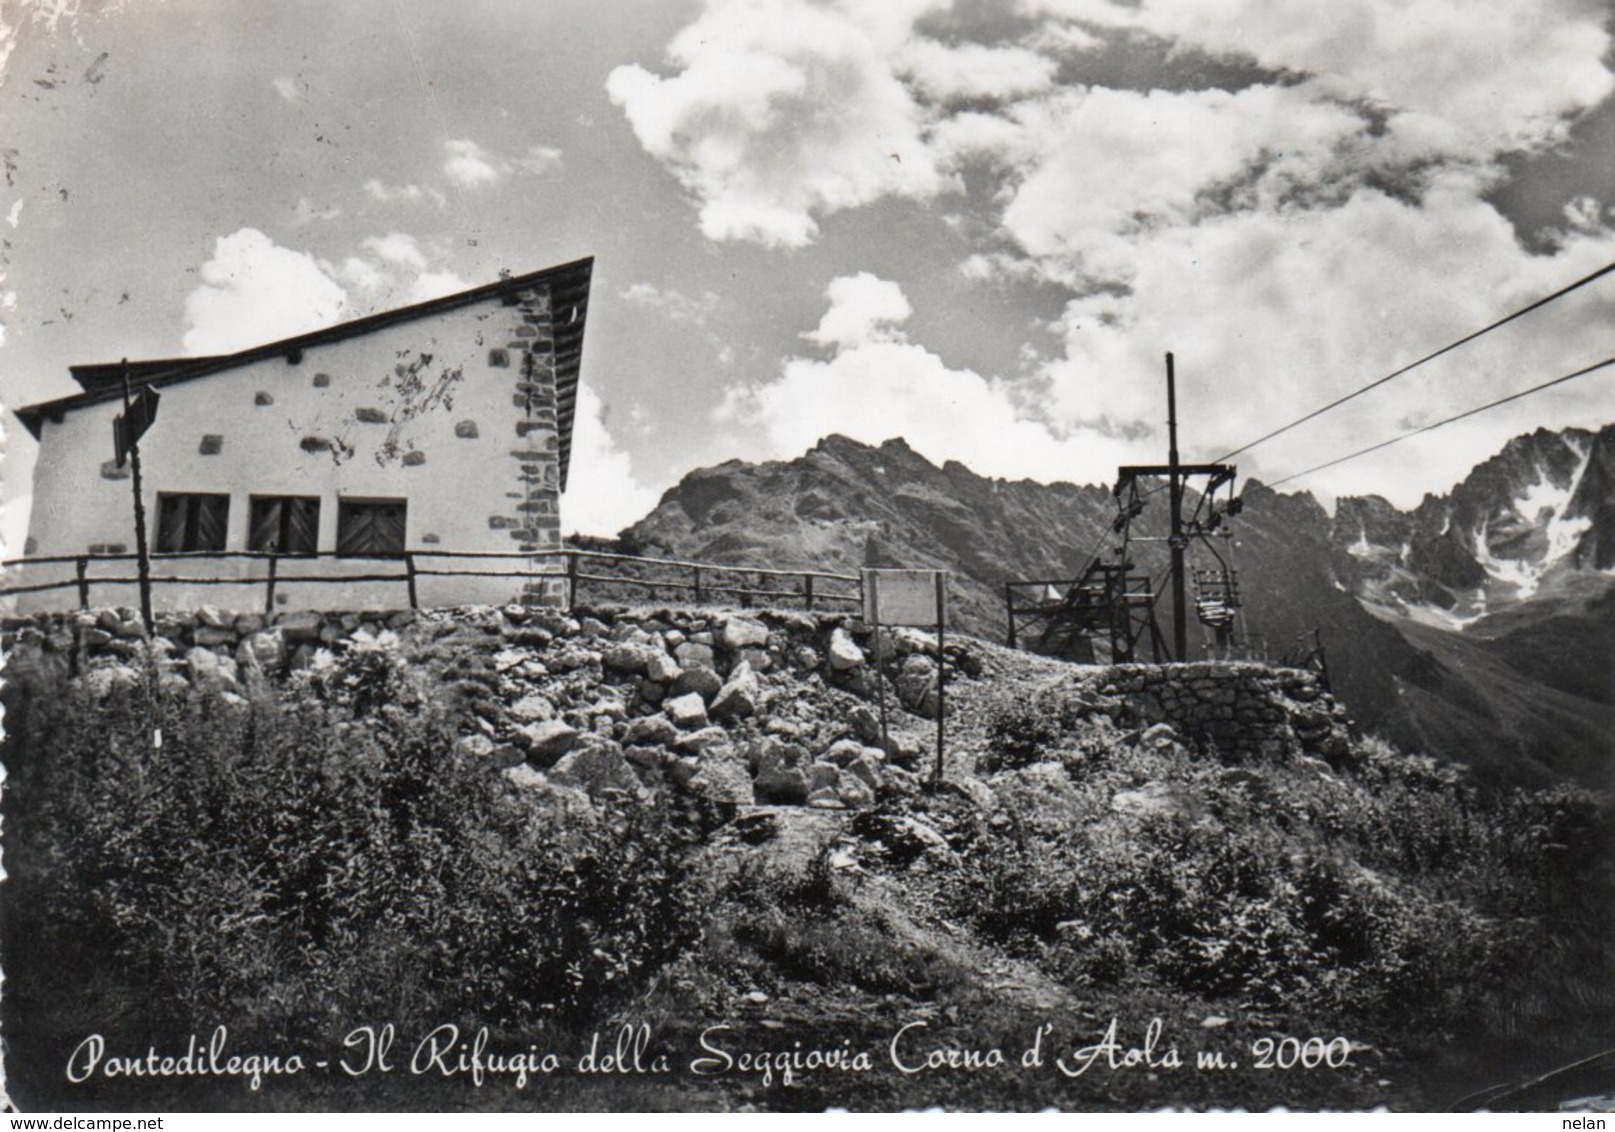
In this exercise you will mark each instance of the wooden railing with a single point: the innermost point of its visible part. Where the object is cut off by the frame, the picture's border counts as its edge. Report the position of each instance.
(706, 582)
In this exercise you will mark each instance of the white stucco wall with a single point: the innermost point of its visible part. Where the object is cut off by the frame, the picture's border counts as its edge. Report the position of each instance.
(494, 491)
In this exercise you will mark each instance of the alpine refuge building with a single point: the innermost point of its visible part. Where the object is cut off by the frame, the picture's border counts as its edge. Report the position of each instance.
(410, 457)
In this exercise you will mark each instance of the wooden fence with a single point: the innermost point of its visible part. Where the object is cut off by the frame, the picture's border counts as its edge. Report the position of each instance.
(707, 583)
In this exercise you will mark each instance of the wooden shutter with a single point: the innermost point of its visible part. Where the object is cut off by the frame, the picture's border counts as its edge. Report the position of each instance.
(370, 528)
(212, 521)
(266, 520)
(171, 515)
(302, 526)
(285, 524)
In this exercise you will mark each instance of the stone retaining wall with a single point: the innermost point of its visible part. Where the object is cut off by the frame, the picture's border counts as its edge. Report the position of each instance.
(1243, 710)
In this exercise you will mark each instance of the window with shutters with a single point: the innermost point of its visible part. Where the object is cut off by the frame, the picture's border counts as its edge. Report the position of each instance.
(191, 522)
(286, 524)
(373, 527)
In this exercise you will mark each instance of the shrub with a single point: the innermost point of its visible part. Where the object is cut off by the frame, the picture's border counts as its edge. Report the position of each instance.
(289, 864)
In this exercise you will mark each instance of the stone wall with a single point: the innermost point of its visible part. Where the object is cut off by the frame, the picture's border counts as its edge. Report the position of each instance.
(726, 707)
(1244, 711)
(735, 709)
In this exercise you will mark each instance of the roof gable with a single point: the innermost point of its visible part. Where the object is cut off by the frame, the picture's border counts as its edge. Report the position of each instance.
(569, 289)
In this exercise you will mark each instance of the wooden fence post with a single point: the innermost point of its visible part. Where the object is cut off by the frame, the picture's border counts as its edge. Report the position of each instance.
(807, 590)
(1009, 606)
(571, 579)
(82, 566)
(696, 572)
(269, 592)
(409, 577)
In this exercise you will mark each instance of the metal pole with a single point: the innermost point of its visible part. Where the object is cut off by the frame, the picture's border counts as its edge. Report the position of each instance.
(143, 556)
(1180, 622)
(941, 672)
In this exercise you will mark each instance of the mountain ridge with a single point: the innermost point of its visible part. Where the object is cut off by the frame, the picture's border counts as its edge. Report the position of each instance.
(1445, 624)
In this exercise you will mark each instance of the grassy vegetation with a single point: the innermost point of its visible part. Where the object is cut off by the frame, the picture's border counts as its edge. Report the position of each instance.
(317, 856)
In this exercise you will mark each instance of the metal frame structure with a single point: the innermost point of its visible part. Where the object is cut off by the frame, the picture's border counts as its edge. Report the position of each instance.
(1104, 615)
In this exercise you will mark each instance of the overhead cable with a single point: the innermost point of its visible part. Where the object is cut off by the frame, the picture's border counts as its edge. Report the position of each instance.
(1542, 302)
(1449, 420)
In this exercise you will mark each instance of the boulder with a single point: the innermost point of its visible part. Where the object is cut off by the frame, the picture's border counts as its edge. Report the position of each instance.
(263, 651)
(651, 731)
(698, 678)
(848, 751)
(532, 708)
(823, 776)
(905, 749)
(688, 711)
(744, 633)
(774, 753)
(865, 724)
(627, 658)
(526, 777)
(210, 670)
(692, 654)
(701, 741)
(215, 618)
(661, 668)
(597, 768)
(916, 686)
(299, 626)
(546, 741)
(740, 695)
(782, 785)
(723, 781)
(845, 655)
(209, 637)
(865, 768)
(854, 793)
(761, 660)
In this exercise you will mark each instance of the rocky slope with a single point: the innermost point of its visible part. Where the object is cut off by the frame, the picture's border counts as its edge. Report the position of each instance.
(1204, 849)
(1476, 625)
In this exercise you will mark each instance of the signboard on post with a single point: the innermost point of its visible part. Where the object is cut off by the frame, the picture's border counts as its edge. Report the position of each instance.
(916, 598)
(128, 428)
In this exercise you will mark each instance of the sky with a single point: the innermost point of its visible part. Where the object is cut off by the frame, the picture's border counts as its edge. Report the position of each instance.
(978, 225)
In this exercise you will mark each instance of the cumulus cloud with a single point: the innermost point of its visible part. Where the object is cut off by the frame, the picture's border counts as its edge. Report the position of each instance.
(783, 111)
(398, 248)
(470, 166)
(541, 160)
(675, 304)
(602, 495)
(304, 212)
(1266, 312)
(379, 191)
(863, 309)
(1290, 233)
(255, 291)
(1457, 77)
(901, 389)
(974, 71)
